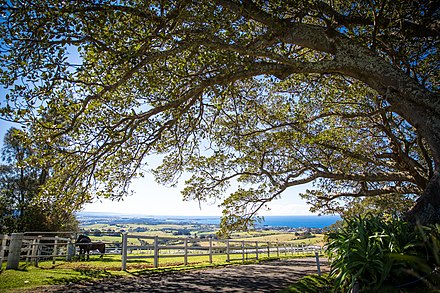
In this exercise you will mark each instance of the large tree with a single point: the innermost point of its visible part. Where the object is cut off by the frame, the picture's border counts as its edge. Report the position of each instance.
(268, 93)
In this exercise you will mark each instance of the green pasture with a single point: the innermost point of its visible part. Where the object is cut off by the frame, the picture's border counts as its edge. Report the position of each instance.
(261, 236)
(166, 230)
(287, 237)
(30, 276)
(151, 229)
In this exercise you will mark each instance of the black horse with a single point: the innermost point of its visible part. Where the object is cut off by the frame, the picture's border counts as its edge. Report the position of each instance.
(85, 244)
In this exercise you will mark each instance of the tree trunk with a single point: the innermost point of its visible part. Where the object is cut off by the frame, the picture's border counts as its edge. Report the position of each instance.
(427, 208)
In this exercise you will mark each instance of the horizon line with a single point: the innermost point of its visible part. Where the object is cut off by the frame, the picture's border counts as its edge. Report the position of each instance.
(183, 215)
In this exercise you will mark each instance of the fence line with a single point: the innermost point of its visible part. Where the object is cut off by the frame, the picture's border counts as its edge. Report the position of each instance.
(33, 246)
(162, 247)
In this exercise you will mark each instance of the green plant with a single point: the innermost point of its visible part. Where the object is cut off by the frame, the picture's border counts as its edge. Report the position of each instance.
(425, 260)
(360, 251)
(386, 254)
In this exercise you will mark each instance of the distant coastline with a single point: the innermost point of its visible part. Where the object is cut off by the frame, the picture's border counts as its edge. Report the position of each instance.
(311, 221)
(308, 221)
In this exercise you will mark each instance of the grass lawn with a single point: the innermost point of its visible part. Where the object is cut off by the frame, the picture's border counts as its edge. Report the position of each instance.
(30, 276)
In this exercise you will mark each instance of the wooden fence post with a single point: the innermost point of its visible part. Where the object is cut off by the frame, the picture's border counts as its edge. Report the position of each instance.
(14, 251)
(268, 249)
(55, 248)
(30, 250)
(156, 251)
(256, 250)
(3, 239)
(124, 251)
(33, 251)
(278, 249)
(38, 250)
(210, 249)
(70, 250)
(186, 251)
(242, 250)
(317, 263)
(228, 259)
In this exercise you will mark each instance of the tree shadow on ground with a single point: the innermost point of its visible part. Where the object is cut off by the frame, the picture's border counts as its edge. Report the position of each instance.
(270, 276)
(85, 275)
(311, 284)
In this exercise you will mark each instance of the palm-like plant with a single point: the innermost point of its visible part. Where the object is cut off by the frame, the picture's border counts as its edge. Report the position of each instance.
(375, 253)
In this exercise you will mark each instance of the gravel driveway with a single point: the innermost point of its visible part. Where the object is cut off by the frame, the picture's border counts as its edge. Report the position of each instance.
(269, 276)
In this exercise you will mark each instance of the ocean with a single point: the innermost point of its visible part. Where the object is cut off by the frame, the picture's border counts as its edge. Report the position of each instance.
(300, 221)
(311, 221)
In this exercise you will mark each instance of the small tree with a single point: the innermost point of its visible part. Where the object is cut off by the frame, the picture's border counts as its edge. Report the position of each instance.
(21, 180)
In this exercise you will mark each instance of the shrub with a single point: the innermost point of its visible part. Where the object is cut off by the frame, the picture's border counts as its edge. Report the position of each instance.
(375, 253)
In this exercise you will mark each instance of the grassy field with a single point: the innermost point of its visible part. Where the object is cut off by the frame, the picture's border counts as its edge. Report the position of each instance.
(30, 276)
(287, 237)
(167, 230)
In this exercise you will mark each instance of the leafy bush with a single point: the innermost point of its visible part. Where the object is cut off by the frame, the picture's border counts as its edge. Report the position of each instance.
(373, 253)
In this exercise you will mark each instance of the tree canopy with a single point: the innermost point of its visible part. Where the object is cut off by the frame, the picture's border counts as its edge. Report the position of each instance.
(269, 94)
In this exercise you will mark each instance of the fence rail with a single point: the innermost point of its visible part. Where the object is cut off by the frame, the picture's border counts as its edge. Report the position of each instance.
(24, 246)
(35, 246)
(164, 247)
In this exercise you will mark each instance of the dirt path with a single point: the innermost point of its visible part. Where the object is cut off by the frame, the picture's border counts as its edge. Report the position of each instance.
(270, 276)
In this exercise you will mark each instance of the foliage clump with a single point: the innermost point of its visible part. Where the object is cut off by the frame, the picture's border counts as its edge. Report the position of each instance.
(372, 253)
(21, 179)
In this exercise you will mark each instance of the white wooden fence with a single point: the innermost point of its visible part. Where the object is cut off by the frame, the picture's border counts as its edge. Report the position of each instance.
(32, 247)
(35, 246)
(161, 247)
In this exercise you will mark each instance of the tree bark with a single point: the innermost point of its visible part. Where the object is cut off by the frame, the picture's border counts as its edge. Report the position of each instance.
(427, 208)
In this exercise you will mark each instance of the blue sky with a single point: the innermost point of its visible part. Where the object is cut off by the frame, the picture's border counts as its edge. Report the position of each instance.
(151, 198)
